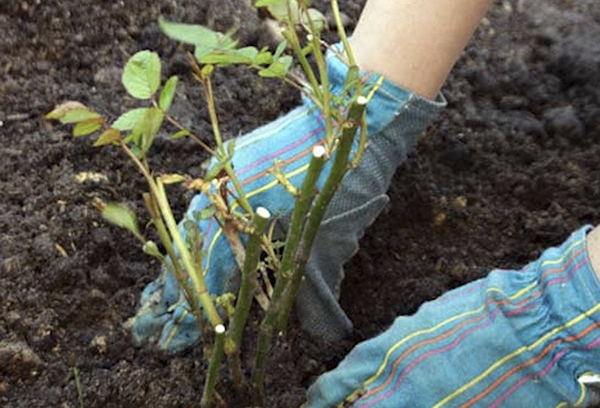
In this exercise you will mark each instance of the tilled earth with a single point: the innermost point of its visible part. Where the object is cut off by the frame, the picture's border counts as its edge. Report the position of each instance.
(510, 168)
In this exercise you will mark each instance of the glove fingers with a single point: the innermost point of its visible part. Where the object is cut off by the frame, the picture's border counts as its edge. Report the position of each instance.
(156, 300)
(180, 331)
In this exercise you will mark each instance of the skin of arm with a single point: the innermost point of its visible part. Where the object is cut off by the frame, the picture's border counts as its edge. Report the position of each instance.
(415, 43)
(593, 248)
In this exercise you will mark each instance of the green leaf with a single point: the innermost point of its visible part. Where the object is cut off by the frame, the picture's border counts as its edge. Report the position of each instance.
(204, 214)
(215, 170)
(86, 128)
(78, 115)
(231, 148)
(263, 58)
(60, 110)
(109, 136)
(121, 216)
(207, 70)
(137, 152)
(166, 96)
(141, 76)
(279, 10)
(280, 49)
(265, 3)
(277, 69)
(180, 134)
(318, 19)
(147, 128)
(172, 178)
(129, 119)
(196, 35)
(352, 77)
(249, 53)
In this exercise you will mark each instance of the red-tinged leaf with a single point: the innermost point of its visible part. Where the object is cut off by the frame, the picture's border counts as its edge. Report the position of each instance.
(60, 110)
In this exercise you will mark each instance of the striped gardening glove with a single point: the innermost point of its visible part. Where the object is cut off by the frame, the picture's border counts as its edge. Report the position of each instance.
(395, 119)
(515, 339)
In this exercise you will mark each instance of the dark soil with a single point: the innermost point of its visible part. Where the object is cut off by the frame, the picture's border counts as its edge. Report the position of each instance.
(508, 169)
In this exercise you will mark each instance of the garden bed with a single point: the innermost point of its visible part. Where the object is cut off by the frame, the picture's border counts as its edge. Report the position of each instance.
(511, 167)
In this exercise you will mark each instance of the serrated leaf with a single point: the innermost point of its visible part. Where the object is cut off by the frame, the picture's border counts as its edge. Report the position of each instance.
(166, 96)
(60, 110)
(86, 128)
(109, 136)
(180, 134)
(196, 35)
(129, 119)
(141, 76)
(121, 216)
(78, 115)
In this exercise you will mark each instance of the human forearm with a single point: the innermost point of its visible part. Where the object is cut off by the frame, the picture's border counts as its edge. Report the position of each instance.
(415, 43)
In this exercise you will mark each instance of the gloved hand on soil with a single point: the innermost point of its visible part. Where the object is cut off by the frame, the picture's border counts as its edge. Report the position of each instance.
(395, 119)
(524, 338)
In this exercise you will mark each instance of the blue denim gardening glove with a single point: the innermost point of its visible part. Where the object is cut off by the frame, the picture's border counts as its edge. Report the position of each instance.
(516, 339)
(395, 119)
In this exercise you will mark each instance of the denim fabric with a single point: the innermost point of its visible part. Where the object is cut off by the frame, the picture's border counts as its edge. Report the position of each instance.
(395, 119)
(514, 339)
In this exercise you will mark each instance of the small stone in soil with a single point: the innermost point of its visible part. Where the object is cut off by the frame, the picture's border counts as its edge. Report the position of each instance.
(18, 360)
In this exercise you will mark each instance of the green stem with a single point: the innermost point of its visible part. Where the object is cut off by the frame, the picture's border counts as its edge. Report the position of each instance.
(342, 32)
(249, 284)
(191, 134)
(293, 238)
(326, 92)
(362, 144)
(338, 170)
(214, 121)
(292, 37)
(213, 367)
(78, 387)
(174, 267)
(244, 299)
(243, 201)
(186, 258)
